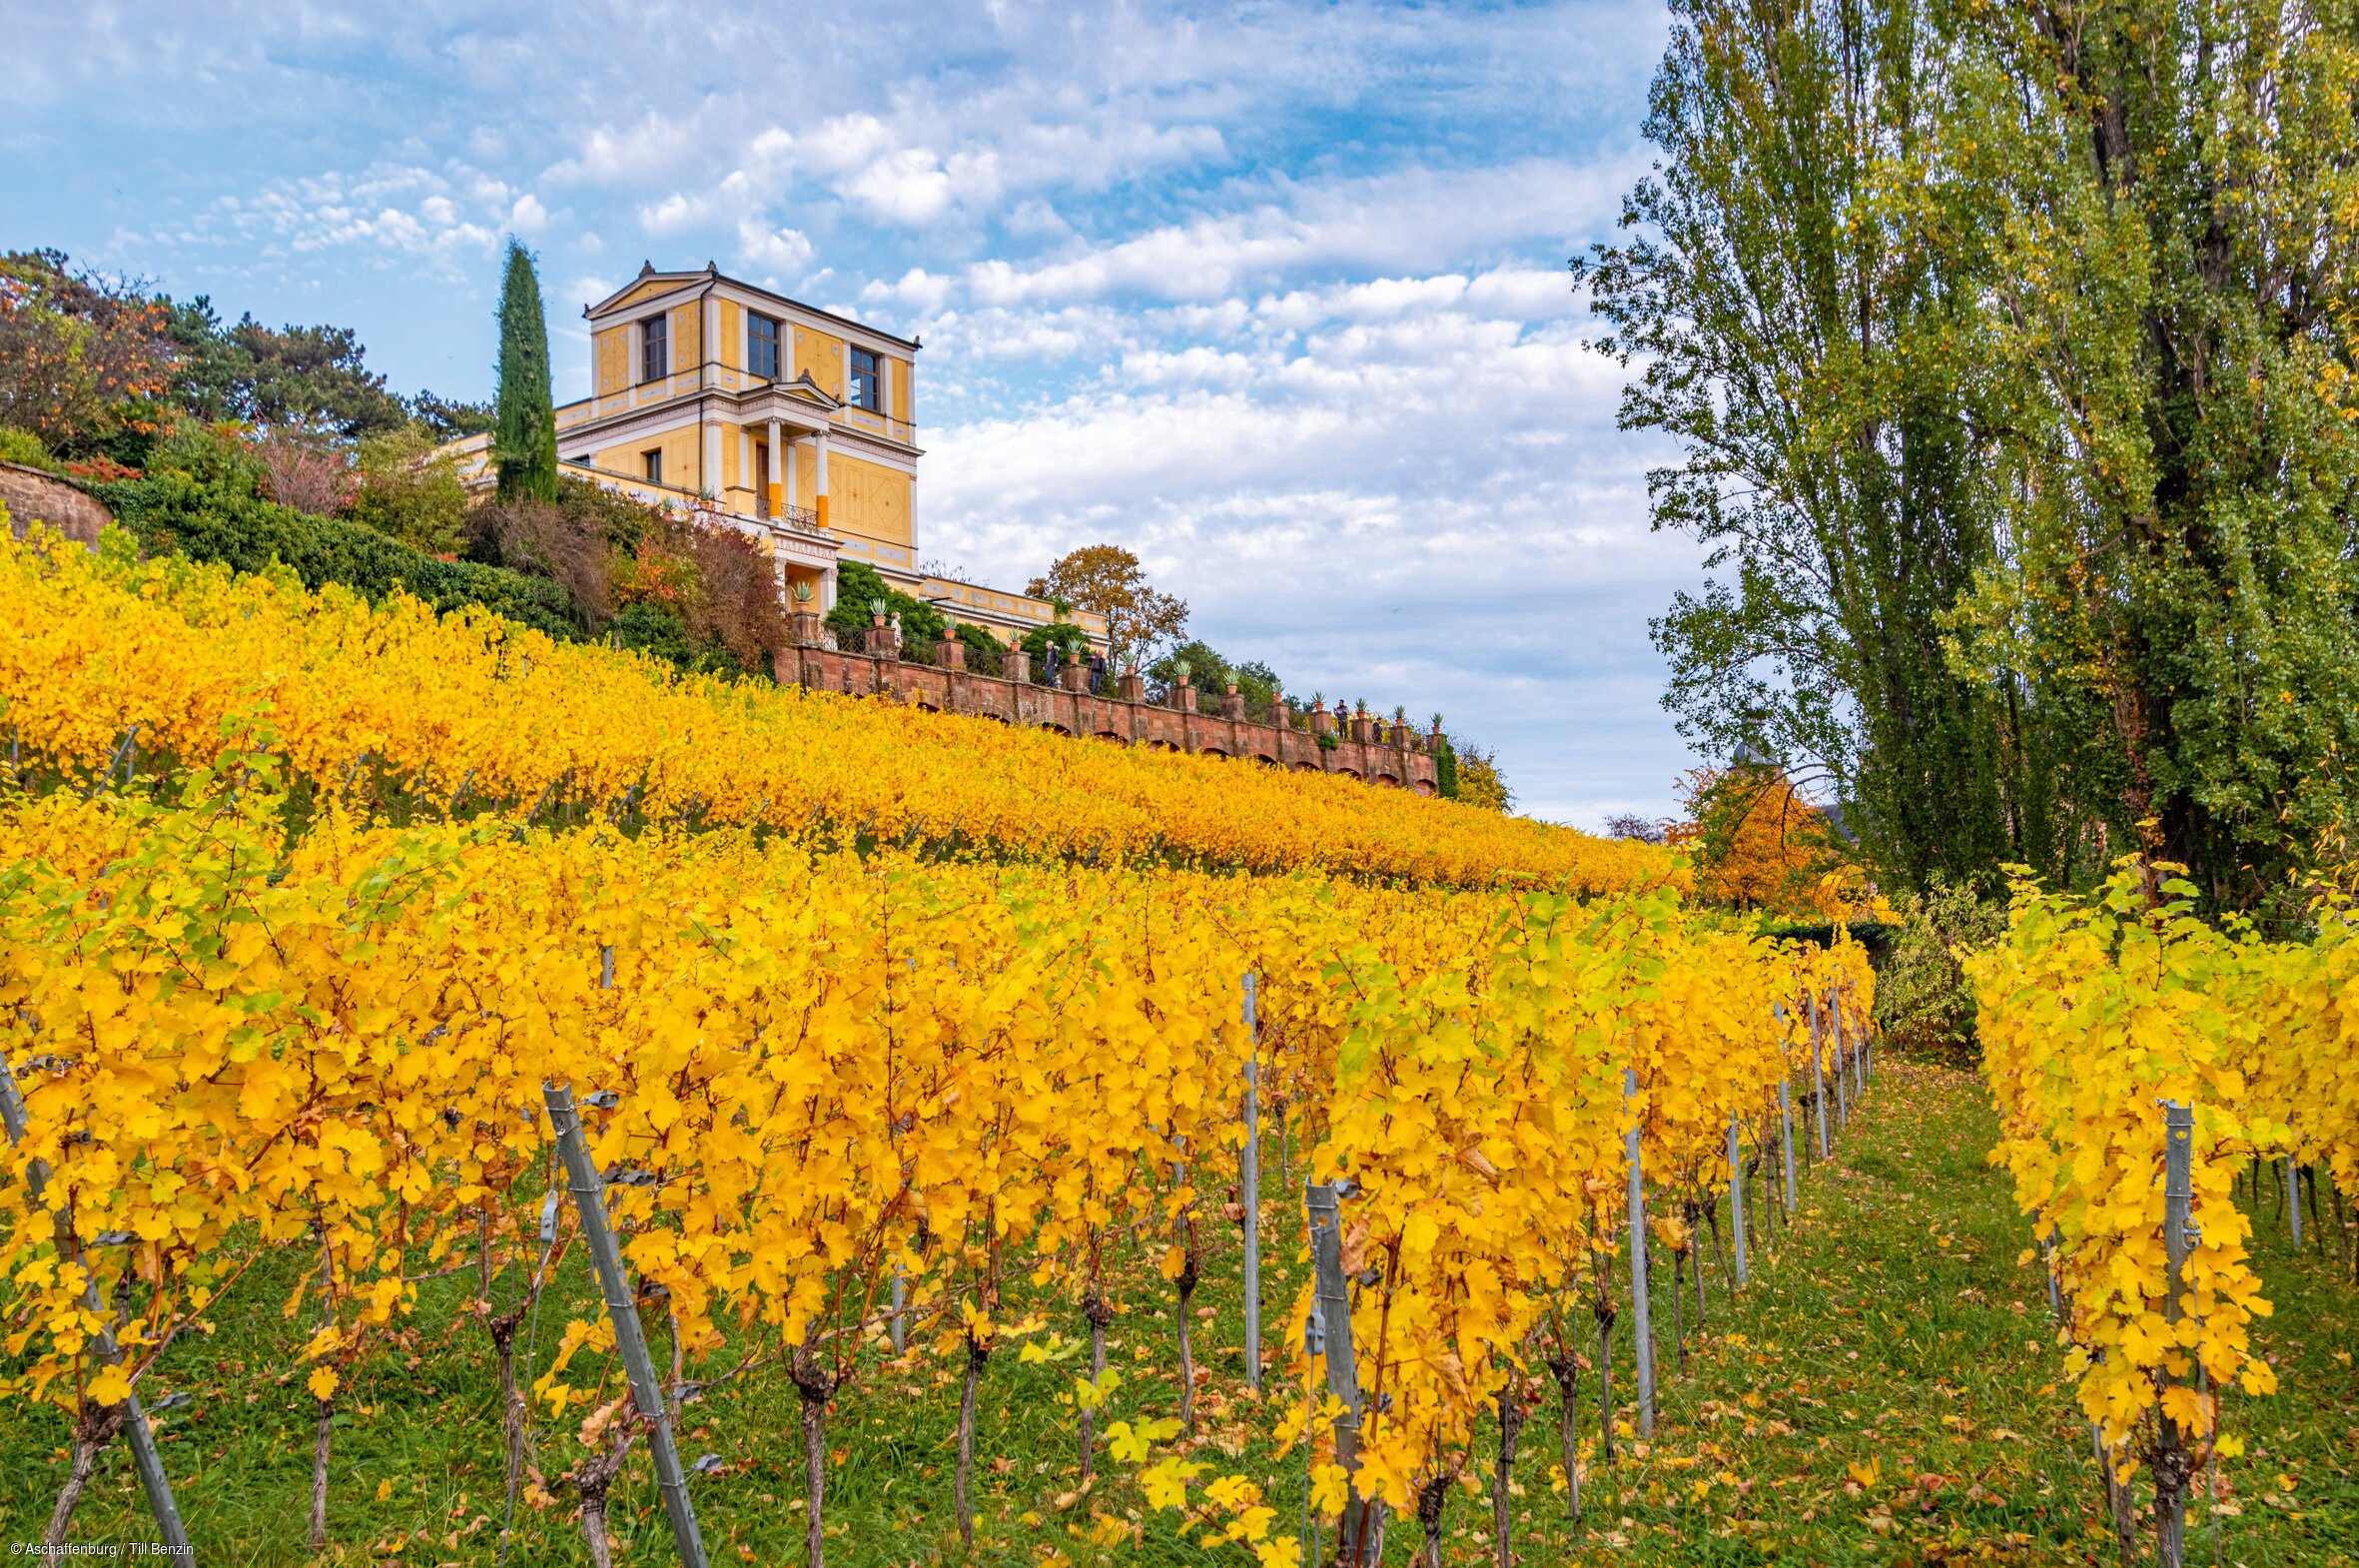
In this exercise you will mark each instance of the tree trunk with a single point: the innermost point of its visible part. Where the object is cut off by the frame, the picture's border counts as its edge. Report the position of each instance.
(593, 1477)
(319, 1473)
(817, 1385)
(1678, 1324)
(1602, 1308)
(2124, 1511)
(511, 1400)
(1567, 1373)
(1718, 1248)
(1430, 1498)
(94, 1429)
(964, 1500)
(1186, 1282)
(1094, 1309)
(1703, 1307)
(1511, 1417)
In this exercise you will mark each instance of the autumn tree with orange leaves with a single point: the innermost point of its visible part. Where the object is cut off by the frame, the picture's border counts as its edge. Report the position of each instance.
(1757, 844)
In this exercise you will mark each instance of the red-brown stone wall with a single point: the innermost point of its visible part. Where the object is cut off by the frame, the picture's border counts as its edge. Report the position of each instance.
(1080, 714)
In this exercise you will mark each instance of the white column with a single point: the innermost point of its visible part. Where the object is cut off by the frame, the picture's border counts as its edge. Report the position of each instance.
(789, 459)
(770, 479)
(819, 482)
(826, 589)
(710, 348)
(711, 477)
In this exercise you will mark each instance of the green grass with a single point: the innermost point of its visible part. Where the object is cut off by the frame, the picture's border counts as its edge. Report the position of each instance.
(1887, 1390)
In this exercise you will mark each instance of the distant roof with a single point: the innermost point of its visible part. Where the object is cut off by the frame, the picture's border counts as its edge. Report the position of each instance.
(710, 271)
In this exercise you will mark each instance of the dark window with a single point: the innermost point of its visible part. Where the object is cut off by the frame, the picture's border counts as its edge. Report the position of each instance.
(868, 387)
(761, 347)
(652, 460)
(654, 349)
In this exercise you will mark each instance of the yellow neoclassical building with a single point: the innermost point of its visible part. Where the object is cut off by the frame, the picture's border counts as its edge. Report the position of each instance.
(777, 417)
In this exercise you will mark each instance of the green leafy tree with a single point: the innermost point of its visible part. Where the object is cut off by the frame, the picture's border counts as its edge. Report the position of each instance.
(311, 378)
(524, 441)
(1207, 669)
(447, 419)
(80, 353)
(859, 588)
(1069, 641)
(2172, 292)
(1110, 581)
(1791, 284)
(1476, 778)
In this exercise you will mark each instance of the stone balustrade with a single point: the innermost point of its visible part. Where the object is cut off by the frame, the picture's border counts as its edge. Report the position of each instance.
(1373, 751)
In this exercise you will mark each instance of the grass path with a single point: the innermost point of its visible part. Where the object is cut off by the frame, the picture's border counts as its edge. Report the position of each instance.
(1886, 1391)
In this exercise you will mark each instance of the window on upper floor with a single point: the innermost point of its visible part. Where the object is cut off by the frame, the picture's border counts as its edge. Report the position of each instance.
(651, 460)
(761, 345)
(868, 384)
(656, 348)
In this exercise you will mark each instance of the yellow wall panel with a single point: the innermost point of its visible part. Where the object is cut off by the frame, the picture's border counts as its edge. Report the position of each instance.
(726, 350)
(823, 356)
(679, 456)
(903, 390)
(612, 357)
(687, 337)
(867, 499)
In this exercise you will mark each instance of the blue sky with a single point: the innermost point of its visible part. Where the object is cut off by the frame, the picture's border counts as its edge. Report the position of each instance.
(1274, 295)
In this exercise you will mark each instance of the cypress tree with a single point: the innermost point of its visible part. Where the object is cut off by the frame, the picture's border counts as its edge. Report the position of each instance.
(524, 441)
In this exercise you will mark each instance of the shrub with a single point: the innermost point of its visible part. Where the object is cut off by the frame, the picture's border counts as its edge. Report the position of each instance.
(1069, 641)
(23, 447)
(1921, 996)
(305, 470)
(858, 587)
(409, 495)
(218, 523)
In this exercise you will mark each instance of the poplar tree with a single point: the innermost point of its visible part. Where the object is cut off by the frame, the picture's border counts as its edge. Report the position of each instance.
(525, 438)
(2010, 357)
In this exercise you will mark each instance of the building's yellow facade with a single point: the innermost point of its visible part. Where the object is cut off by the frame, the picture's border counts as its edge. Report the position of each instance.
(791, 423)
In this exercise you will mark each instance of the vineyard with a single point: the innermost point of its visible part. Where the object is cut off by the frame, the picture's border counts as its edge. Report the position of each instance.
(720, 1080)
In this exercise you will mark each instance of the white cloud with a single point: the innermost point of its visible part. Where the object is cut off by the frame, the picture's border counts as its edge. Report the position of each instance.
(778, 249)
(908, 187)
(918, 289)
(1404, 218)
(1275, 295)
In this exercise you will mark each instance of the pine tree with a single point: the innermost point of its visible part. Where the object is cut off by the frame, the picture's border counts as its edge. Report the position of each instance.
(524, 441)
